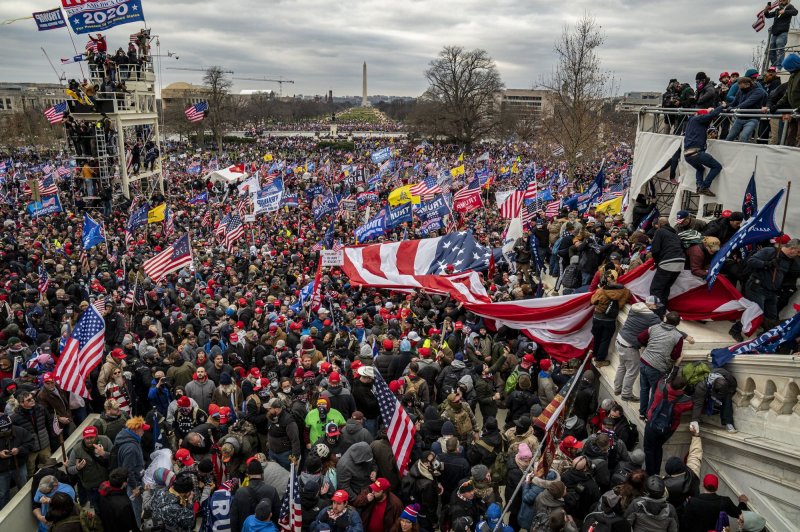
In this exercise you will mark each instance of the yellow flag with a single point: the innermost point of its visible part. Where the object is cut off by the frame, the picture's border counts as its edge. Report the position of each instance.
(612, 206)
(156, 214)
(514, 168)
(461, 157)
(504, 170)
(519, 159)
(457, 171)
(268, 157)
(402, 195)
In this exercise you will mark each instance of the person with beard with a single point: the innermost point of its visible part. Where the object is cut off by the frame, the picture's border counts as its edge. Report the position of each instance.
(218, 368)
(582, 490)
(283, 435)
(89, 461)
(227, 393)
(379, 507)
(460, 414)
(340, 398)
(201, 389)
(421, 486)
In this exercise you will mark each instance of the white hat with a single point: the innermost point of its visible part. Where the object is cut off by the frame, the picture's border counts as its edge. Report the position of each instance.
(413, 336)
(389, 304)
(367, 371)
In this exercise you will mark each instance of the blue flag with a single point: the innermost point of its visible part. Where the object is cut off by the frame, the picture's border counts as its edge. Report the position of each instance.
(92, 233)
(47, 205)
(381, 155)
(305, 293)
(138, 218)
(538, 262)
(372, 229)
(648, 220)
(398, 215)
(200, 198)
(750, 201)
(768, 342)
(593, 193)
(757, 229)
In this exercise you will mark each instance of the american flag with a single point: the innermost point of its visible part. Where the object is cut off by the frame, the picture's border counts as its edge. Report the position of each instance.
(206, 218)
(100, 305)
(91, 46)
(47, 186)
(530, 210)
(243, 207)
(400, 428)
(84, 261)
(511, 207)
(290, 517)
(135, 296)
(551, 209)
(175, 257)
(219, 230)
(613, 192)
(55, 114)
(196, 112)
(464, 193)
(82, 352)
(337, 245)
(44, 280)
(427, 188)
(169, 223)
(62, 171)
(530, 185)
(234, 230)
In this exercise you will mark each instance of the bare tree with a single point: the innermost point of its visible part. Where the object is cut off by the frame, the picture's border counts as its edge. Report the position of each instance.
(579, 88)
(464, 84)
(218, 85)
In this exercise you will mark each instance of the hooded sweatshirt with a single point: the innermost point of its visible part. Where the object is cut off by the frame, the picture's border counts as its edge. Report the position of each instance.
(652, 515)
(640, 318)
(354, 468)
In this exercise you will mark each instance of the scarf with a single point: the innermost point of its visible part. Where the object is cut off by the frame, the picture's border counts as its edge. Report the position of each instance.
(336, 515)
(424, 471)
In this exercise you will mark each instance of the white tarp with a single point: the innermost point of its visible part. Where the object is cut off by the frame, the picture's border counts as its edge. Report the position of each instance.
(777, 165)
(227, 175)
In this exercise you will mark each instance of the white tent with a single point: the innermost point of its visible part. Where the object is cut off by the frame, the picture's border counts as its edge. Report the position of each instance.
(228, 175)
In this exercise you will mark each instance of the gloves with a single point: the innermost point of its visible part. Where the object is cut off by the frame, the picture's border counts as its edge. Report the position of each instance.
(694, 426)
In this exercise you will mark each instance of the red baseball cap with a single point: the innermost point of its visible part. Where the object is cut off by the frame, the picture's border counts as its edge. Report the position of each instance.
(90, 432)
(118, 353)
(528, 359)
(334, 378)
(459, 325)
(255, 372)
(48, 377)
(710, 482)
(340, 496)
(184, 457)
(184, 402)
(380, 484)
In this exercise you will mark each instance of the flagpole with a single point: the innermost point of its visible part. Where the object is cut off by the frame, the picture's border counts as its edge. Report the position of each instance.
(783, 221)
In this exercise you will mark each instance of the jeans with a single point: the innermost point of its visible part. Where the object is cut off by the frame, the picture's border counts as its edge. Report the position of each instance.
(586, 278)
(18, 477)
(660, 286)
(726, 410)
(777, 48)
(372, 426)
(136, 502)
(765, 299)
(648, 380)
(602, 331)
(654, 449)
(627, 370)
(700, 161)
(281, 458)
(743, 128)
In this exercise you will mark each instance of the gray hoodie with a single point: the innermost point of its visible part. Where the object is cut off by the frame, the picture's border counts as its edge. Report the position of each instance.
(652, 515)
(354, 468)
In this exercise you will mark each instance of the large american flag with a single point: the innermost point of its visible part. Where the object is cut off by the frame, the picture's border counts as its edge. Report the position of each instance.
(551, 209)
(196, 112)
(427, 188)
(82, 352)
(135, 296)
(233, 232)
(290, 517)
(47, 186)
(612, 192)
(400, 428)
(464, 193)
(55, 114)
(175, 257)
(91, 46)
(512, 206)
(219, 230)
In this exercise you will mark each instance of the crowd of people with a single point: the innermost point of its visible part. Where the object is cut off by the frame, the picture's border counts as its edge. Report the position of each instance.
(218, 380)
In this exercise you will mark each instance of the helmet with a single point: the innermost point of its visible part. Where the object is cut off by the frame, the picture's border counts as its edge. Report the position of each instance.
(655, 487)
(322, 450)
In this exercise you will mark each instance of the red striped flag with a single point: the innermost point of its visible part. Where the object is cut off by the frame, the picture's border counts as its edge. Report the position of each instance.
(234, 231)
(400, 428)
(512, 206)
(427, 188)
(551, 210)
(82, 352)
(290, 516)
(175, 257)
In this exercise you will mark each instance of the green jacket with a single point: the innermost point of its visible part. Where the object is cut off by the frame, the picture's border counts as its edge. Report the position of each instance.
(96, 470)
(791, 98)
(316, 428)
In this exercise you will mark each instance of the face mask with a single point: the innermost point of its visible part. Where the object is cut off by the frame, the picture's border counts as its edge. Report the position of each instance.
(287, 390)
(323, 412)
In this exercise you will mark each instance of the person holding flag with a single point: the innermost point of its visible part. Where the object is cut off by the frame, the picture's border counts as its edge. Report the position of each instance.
(766, 271)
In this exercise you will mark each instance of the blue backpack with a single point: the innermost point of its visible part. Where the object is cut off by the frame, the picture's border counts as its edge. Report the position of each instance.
(661, 421)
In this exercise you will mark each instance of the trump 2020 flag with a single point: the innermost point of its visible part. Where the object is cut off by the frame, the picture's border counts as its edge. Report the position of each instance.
(769, 342)
(593, 193)
(750, 201)
(757, 229)
(92, 233)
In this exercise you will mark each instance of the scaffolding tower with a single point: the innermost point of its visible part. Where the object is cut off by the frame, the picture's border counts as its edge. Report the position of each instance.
(114, 124)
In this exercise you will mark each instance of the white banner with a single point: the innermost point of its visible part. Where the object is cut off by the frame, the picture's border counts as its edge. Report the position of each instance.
(269, 202)
(332, 257)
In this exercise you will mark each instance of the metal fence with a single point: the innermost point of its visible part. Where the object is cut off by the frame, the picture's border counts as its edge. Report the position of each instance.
(769, 128)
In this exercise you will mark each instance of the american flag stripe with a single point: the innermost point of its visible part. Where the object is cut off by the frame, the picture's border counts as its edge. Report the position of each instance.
(233, 232)
(427, 188)
(82, 352)
(44, 280)
(196, 112)
(91, 46)
(511, 207)
(175, 257)
(551, 209)
(290, 516)
(55, 114)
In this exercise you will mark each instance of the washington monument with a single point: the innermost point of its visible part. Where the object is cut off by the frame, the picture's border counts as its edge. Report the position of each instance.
(364, 101)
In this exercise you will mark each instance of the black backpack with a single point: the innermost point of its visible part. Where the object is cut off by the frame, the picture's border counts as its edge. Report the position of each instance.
(599, 522)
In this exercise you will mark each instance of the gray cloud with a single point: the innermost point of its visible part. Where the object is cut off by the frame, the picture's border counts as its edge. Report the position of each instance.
(321, 44)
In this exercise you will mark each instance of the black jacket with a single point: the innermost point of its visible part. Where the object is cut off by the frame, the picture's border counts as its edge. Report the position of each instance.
(582, 493)
(585, 403)
(18, 438)
(456, 468)
(720, 228)
(667, 246)
(782, 22)
(700, 513)
(768, 267)
(246, 499)
(115, 509)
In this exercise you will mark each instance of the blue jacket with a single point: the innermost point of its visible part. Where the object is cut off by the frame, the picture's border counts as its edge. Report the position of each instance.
(251, 524)
(349, 521)
(130, 456)
(527, 511)
(697, 128)
(755, 98)
(732, 92)
(160, 398)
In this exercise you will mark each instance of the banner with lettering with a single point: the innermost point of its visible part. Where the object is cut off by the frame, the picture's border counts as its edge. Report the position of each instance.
(91, 16)
(49, 20)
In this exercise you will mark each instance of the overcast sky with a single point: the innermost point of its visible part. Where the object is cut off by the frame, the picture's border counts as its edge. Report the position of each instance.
(321, 44)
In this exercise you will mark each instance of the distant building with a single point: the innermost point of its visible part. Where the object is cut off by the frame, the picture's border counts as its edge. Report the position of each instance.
(183, 94)
(633, 101)
(527, 104)
(21, 96)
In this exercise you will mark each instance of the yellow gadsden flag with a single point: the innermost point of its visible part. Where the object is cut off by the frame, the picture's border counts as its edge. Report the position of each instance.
(612, 206)
(402, 195)
(156, 214)
(268, 157)
(457, 171)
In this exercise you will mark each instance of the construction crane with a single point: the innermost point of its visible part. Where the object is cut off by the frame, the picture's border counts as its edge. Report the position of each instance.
(280, 81)
(197, 69)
